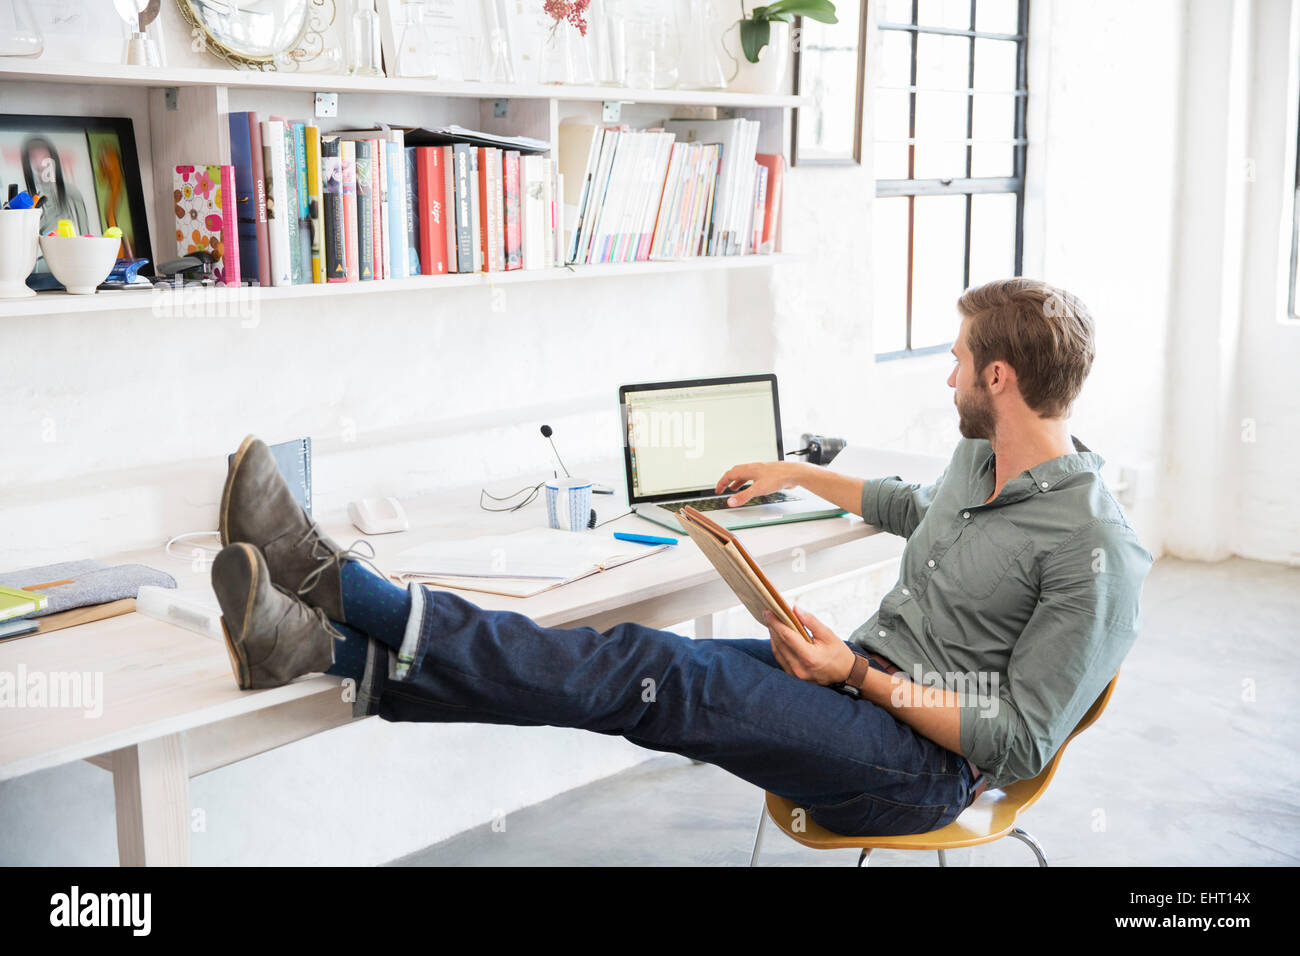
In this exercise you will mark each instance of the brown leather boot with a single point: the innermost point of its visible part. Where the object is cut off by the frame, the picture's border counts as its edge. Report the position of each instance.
(271, 636)
(257, 507)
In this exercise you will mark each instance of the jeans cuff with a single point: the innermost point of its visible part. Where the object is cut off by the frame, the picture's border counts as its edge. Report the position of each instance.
(384, 664)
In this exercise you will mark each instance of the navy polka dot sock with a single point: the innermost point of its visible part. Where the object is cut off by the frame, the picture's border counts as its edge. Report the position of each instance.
(373, 605)
(350, 654)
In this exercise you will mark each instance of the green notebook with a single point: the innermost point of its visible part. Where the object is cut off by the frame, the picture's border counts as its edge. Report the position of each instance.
(15, 602)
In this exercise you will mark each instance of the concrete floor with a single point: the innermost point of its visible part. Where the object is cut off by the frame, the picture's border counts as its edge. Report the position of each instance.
(1193, 763)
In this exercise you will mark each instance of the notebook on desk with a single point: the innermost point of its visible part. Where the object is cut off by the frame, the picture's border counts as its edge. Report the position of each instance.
(520, 564)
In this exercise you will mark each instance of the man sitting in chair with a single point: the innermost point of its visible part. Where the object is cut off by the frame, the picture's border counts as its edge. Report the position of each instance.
(1016, 603)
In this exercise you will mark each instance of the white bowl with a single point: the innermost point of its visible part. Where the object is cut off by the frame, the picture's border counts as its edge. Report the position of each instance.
(80, 262)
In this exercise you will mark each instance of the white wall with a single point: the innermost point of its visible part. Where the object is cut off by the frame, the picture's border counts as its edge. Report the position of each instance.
(1266, 520)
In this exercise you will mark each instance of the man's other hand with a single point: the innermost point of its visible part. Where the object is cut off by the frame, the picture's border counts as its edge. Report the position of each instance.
(827, 660)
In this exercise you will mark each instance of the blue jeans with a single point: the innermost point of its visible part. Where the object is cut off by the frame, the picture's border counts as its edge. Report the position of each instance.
(855, 768)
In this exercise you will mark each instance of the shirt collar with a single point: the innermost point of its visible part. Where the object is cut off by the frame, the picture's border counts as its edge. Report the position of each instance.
(1045, 476)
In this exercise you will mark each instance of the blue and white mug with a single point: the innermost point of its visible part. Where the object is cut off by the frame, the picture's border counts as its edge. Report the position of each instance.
(568, 504)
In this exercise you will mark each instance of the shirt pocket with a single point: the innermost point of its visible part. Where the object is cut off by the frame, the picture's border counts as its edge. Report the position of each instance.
(985, 552)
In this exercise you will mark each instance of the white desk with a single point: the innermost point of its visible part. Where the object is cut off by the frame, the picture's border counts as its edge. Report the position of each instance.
(172, 710)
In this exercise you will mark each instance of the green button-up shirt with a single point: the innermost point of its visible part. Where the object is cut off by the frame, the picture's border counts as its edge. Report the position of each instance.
(1024, 606)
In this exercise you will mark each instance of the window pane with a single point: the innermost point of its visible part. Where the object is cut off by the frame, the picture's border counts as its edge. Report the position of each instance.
(994, 128)
(943, 62)
(895, 11)
(944, 13)
(995, 65)
(992, 237)
(940, 135)
(893, 108)
(937, 265)
(895, 59)
(996, 16)
(889, 274)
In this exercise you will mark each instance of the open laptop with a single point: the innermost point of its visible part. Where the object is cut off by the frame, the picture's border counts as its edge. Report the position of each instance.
(679, 438)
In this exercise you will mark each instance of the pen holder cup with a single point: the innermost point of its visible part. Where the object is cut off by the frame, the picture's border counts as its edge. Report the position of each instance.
(80, 262)
(568, 504)
(20, 230)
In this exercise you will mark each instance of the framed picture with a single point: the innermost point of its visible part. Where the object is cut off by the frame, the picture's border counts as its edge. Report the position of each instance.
(829, 67)
(87, 169)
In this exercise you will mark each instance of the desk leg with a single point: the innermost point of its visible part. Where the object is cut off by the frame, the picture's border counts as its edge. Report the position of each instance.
(151, 786)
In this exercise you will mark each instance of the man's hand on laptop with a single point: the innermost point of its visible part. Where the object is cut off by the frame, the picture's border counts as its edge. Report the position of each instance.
(765, 477)
(828, 660)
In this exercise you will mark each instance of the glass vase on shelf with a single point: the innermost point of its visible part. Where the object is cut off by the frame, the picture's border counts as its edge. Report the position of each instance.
(415, 46)
(19, 34)
(498, 52)
(701, 67)
(610, 43)
(653, 45)
(363, 40)
(565, 56)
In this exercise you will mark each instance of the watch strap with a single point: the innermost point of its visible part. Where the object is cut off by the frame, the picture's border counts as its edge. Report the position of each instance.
(858, 675)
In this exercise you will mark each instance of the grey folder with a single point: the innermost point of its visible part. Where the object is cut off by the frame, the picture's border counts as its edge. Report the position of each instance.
(90, 582)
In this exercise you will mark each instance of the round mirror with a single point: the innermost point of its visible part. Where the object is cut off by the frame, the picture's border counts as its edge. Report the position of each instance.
(248, 32)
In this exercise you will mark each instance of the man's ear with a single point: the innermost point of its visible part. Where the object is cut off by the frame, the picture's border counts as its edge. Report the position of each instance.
(1001, 375)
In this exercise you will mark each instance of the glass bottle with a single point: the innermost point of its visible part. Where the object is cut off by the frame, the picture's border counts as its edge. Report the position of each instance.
(363, 40)
(19, 34)
(701, 65)
(415, 48)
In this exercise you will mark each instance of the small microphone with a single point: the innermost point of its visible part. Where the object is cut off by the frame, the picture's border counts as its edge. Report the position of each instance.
(547, 432)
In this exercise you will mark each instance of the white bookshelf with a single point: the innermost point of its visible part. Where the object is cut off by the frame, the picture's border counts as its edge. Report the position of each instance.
(198, 301)
(162, 78)
(179, 115)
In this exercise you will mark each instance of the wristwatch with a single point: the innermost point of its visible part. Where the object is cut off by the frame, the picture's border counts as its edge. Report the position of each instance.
(852, 685)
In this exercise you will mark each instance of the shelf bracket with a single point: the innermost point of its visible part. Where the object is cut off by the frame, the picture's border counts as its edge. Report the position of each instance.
(610, 111)
(500, 108)
(172, 98)
(327, 104)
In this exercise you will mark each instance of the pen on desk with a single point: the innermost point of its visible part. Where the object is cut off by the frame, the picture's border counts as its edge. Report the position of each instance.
(643, 538)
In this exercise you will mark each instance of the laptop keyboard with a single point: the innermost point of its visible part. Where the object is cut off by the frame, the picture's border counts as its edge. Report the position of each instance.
(720, 503)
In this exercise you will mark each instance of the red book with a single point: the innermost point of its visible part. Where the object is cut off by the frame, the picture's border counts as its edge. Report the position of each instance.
(775, 164)
(431, 206)
(259, 200)
(514, 238)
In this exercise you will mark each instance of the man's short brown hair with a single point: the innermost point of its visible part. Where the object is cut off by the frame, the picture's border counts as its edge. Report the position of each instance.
(1042, 332)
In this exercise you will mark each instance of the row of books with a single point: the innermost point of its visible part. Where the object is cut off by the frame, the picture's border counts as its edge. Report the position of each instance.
(298, 205)
(691, 188)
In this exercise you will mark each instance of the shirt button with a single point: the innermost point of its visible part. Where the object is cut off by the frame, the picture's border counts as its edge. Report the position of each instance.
(882, 633)
(1043, 485)
(930, 563)
(965, 514)
(906, 592)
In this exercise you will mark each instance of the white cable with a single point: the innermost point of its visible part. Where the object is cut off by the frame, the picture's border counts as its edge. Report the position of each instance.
(193, 534)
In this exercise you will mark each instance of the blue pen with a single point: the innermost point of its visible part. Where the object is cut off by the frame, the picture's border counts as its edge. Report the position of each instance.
(643, 538)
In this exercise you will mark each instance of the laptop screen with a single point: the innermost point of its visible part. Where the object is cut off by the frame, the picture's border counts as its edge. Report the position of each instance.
(680, 437)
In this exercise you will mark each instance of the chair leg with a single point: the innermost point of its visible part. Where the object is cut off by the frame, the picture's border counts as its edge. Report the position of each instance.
(863, 857)
(758, 834)
(943, 857)
(1030, 842)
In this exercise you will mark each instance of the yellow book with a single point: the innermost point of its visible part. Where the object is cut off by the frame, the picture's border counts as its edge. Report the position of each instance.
(15, 602)
(315, 204)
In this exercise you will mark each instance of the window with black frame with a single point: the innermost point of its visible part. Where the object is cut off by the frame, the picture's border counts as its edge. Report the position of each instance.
(949, 162)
